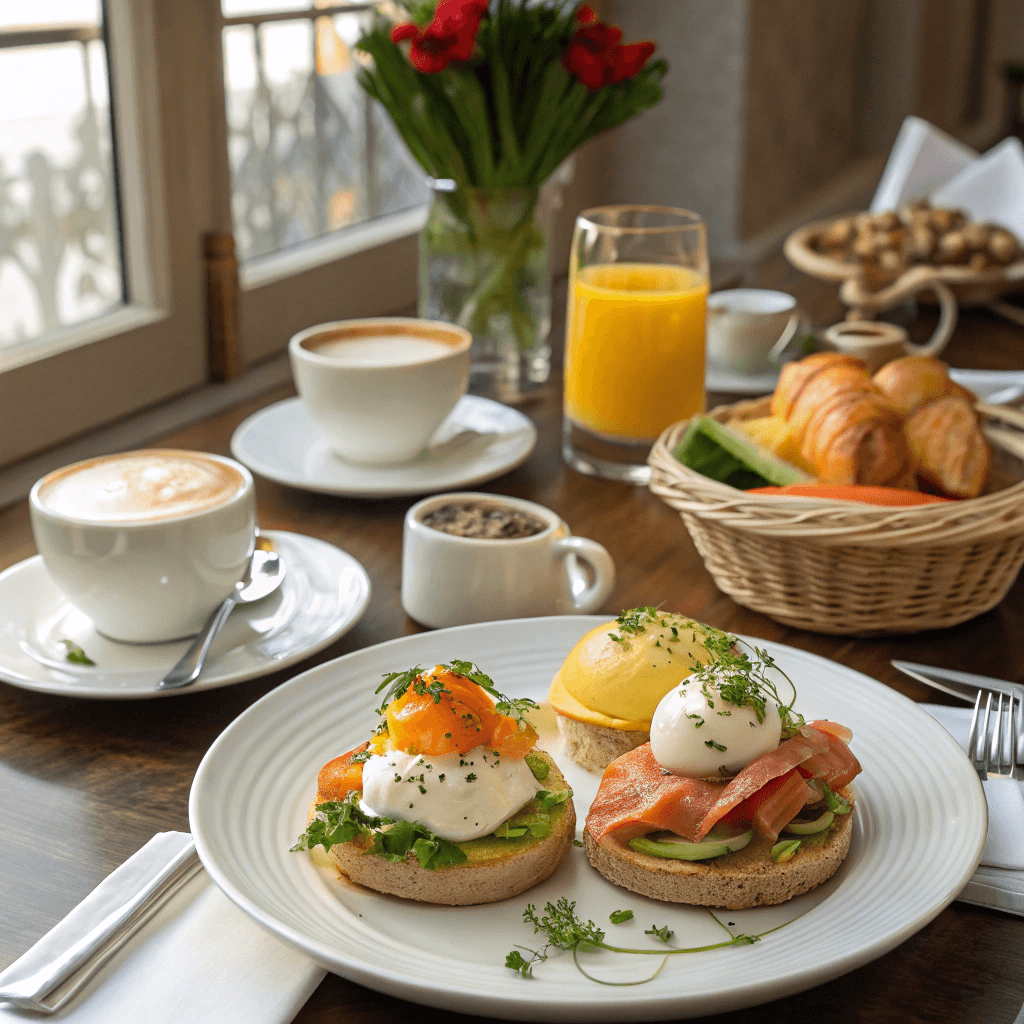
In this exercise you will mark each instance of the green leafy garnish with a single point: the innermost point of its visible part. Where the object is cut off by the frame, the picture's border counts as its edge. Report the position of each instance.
(538, 766)
(76, 654)
(549, 800)
(619, 916)
(663, 934)
(566, 931)
(341, 821)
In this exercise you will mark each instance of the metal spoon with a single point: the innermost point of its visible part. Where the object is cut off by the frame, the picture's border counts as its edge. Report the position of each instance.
(264, 575)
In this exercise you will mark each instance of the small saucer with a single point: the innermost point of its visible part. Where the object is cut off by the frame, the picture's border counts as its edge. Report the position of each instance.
(323, 595)
(740, 383)
(480, 440)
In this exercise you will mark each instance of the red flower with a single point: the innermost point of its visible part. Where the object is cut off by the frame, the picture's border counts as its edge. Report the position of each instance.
(597, 57)
(450, 36)
(585, 15)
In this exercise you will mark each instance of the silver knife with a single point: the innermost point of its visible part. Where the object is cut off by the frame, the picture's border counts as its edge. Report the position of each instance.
(964, 685)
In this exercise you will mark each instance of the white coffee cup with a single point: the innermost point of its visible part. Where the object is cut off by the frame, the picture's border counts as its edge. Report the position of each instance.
(745, 324)
(378, 389)
(146, 543)
(449, 580)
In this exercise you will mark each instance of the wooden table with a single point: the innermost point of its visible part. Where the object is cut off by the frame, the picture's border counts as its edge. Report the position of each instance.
(83, 784)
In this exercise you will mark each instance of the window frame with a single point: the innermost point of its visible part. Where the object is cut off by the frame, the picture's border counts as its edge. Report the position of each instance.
(168, 105)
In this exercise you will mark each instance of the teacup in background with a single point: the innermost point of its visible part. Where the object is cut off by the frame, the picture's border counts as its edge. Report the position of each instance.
(380, 414)
(144, 581)
(449, 580)
(745, 324)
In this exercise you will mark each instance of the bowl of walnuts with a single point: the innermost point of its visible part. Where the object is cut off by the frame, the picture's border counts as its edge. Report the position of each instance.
(883, 258)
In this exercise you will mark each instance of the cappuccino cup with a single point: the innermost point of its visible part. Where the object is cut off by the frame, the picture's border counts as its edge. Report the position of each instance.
(745, 324)
(146, 543)
(472, 557)
(378, 389)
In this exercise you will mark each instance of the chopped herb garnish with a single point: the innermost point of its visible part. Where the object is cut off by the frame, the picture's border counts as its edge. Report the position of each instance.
(662, 934)
(713, 745)
(619, 916)
(471, 777)
(75, 653)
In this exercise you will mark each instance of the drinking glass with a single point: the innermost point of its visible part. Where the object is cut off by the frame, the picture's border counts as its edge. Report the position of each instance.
(634, 341)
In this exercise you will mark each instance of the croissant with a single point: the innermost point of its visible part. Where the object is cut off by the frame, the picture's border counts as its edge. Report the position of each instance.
(847, 429)
(911, 381)
(942, 427)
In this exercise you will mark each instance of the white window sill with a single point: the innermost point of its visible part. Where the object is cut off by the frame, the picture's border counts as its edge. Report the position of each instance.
(335, 246)
(120, 321)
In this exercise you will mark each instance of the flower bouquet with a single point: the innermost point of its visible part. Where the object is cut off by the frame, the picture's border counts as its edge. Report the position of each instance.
(491, 98)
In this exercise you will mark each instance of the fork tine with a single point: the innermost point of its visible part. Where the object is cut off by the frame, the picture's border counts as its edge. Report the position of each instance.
(1000, 737)
(972, 738)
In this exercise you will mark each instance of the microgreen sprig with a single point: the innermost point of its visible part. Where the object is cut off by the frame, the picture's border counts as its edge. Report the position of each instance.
(742, 680)
(565, 930)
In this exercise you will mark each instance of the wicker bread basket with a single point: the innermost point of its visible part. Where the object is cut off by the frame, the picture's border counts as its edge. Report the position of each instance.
(844, 568)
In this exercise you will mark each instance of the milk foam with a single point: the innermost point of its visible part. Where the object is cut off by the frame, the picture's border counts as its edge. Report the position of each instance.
(140, 486)
(385, 350)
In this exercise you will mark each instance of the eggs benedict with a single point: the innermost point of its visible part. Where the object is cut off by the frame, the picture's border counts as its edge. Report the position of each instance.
(736, 801)
(448, 801)
(606, 691)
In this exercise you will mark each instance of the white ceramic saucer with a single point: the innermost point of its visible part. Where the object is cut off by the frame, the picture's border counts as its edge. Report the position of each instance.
(739, 383)
(323, 595)
(480, 440)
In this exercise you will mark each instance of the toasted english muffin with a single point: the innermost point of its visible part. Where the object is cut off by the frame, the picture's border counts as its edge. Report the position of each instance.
(495, 869)
(736, 881)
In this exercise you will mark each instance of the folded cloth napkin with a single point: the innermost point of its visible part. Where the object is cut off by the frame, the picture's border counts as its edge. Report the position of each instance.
(198, 958)
(999, 881)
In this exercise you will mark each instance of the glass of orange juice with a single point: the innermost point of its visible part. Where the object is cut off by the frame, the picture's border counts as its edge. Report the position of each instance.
(634, 340)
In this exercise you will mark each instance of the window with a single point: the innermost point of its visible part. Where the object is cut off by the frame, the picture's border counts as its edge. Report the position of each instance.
(210, 126)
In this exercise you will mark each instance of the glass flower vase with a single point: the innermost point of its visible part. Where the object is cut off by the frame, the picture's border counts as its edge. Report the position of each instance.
(483, 264)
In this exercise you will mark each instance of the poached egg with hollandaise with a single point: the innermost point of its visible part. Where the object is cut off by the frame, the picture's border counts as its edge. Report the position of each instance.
(617, 673)
(444, 757)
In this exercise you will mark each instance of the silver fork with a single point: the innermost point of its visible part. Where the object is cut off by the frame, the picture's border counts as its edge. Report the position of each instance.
(992, 743)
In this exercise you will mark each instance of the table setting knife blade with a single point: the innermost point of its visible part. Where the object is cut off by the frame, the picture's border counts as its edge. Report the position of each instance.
(964, 685)
(69, 955)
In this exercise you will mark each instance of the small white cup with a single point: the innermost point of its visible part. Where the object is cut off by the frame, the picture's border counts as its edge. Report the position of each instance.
(449, 580)
(146, 580)
(381, 410)
(744, 325)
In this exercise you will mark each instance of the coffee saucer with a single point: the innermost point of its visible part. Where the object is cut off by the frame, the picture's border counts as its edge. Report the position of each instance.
(740, 383)
(481, 439)
(324, 593)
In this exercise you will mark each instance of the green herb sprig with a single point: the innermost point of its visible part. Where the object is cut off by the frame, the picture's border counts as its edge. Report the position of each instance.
(567, 931)
(743, 681)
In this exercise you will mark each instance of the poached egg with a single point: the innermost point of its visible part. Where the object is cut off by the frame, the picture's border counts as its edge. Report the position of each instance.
(695, 732)
(448, 760)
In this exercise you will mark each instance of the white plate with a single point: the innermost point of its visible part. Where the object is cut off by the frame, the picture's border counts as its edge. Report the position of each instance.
(739, 383)
(919, 830)
(324, 593)
(480, 440)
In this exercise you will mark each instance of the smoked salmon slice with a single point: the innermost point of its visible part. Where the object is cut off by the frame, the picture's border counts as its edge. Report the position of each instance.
(636, 796)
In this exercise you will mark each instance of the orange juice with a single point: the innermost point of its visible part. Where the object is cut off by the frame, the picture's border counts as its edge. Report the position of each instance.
(634, 348)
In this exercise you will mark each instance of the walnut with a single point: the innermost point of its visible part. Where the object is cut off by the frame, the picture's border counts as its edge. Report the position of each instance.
(976, 236)
(947, 220)
(838, 235)
(922, 242)
(1003, 246)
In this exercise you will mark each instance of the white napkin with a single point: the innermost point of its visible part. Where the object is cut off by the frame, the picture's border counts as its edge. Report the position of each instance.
(1004, 846)
(922, 159)
(198, 959)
